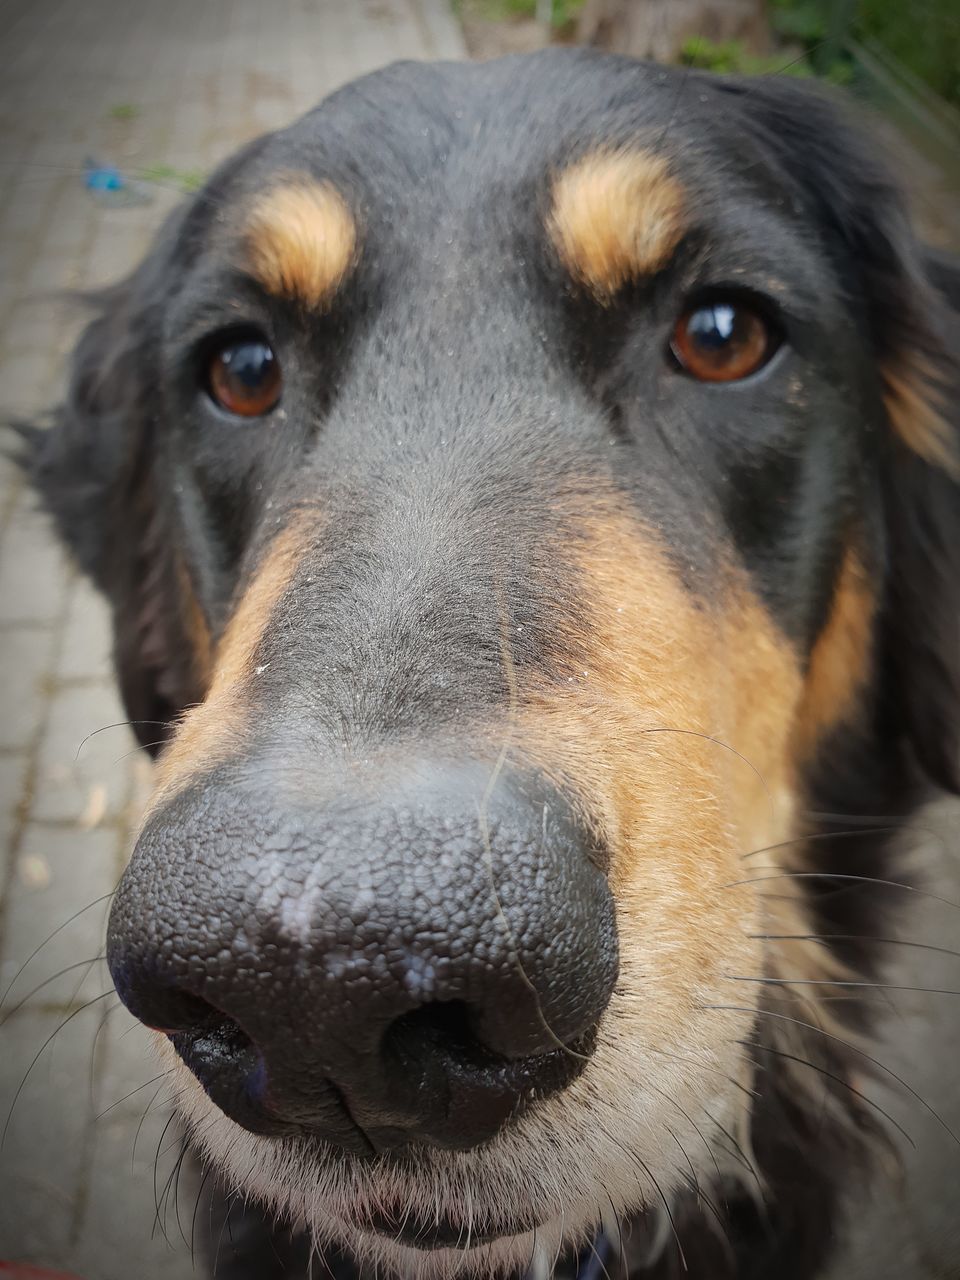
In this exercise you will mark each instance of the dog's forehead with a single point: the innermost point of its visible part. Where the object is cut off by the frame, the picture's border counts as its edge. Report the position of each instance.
(418, 135)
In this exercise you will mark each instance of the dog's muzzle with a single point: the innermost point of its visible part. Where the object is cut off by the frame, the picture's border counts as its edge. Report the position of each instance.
(408, 962)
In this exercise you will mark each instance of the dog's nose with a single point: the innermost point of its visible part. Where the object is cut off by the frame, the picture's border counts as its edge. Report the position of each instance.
(382, 969)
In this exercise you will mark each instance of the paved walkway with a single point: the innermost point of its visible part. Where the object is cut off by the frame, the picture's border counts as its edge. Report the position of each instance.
(163, 90)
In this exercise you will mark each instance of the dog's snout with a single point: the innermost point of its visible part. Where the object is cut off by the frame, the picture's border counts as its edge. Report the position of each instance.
(408, 963)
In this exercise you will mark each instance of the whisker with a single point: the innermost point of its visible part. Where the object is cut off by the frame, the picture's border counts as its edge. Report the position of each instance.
(853, 937)
(196, 1208)
(146, 1084)
(704, 1201)
(592, 1271)
(136, 1136)
(93, 1053)
(136, 751)
(36, 1059)
(829, 1035)
(690, 1120)
(667, 1210)
(823, 815)
(79, 964)
(820, 835)
(695, 1183)
(176, 1191)
(120, 724)
(837, 875)
(707, 737)
(800, 57)
(156, 1188)
(792, 1057)
(230, 1199)
(666, 1204)
(701, 1066)
(738, 1152)
(840, 982)
(616, 1218)
(33, 954)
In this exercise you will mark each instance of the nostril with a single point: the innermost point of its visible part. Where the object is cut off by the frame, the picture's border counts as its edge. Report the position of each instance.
(443, 1071)
(218, 1048)
(160, 1005)
(441, 1028)
(184, 1012)
(229, 1066)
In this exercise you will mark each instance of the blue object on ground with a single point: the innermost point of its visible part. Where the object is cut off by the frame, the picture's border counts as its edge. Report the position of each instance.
(103, 177)
(108, 185)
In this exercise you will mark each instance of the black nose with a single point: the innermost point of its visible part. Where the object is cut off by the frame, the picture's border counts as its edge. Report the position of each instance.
(411, 966)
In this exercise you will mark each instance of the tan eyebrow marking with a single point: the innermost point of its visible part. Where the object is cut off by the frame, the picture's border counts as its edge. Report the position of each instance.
(301, 240)
(616, 216)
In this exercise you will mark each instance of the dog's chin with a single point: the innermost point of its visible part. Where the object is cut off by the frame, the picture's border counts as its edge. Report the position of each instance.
(408, 1229)
(451, 1248)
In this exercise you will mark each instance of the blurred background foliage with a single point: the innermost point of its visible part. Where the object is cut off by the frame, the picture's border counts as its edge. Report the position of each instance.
(921, 35)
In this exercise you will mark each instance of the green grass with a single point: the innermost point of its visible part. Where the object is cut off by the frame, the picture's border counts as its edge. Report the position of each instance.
(124, 111)
(167, 176)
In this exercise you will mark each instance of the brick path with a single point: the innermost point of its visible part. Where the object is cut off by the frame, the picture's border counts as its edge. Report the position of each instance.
(143, 85)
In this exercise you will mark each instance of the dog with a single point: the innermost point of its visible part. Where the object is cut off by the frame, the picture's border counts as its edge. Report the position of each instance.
(527, 495)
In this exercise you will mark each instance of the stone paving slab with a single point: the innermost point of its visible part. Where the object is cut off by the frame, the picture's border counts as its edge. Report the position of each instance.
(87, 644)
(45, 1156)
(82, 778)
(26, 655)
(33, 570)
(58, 871)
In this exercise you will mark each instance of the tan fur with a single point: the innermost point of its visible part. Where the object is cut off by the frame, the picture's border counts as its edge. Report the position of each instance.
(916, 404)
(616, 216)
(675, 733)
(209, 732)
(840, 661)
(301, 240)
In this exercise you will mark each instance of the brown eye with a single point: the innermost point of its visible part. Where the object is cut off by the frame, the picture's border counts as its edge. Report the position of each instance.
(722, 341)
(244, 378)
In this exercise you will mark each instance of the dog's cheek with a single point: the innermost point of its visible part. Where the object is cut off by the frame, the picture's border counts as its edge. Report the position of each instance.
(676, 735)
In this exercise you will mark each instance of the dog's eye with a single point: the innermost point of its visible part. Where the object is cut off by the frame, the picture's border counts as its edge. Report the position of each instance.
(722, 341)
(243, 377)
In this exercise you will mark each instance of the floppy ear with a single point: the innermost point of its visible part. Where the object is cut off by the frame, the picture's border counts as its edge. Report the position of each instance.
(95, 471)
(922, 483)
(907, 298)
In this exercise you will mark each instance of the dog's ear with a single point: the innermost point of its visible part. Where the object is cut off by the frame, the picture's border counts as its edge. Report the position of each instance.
(94, 468)
(922, 498)
(906, 300)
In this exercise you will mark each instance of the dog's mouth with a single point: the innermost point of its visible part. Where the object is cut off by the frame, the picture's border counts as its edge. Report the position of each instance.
(406, 1228)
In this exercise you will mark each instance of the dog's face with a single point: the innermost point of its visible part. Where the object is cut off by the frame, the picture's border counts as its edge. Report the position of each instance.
(513, 475)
